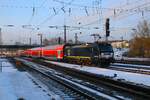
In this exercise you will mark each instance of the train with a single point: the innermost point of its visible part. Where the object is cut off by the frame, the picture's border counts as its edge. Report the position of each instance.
(98, 53)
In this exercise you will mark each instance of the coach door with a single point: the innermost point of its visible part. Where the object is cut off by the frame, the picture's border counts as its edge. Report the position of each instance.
(59, 54)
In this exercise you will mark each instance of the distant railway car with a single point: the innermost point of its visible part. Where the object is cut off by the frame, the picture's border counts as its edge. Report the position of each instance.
(21, 53)
(92, 53)
(26, 53)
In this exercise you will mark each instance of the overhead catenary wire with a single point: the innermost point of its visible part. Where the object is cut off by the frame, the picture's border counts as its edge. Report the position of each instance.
(119, 11)
(115, 9)
(125, 10)
(134, 11)
(56, 12)
(34, 9)
(50, 17)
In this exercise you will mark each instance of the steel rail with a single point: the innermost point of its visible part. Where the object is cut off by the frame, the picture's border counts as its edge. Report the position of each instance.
(127, 69)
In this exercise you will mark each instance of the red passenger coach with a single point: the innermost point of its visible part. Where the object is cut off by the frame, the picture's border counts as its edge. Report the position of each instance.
(53, 52)
(36, 52)
(49, 52)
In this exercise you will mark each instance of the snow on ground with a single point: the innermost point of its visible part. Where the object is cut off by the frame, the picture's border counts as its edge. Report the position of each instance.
(136, 59)
(7, 67)
(127, 76)
(15, 85)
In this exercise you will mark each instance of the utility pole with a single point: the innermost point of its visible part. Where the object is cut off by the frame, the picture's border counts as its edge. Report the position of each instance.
(65, 28)
(65, 31)
(122, 41)
(41, 40)
(76, 38)
(59, 40)
(41, 37)
(30, 41)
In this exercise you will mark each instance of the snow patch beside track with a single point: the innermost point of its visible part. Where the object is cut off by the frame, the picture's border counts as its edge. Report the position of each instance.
(135, 78)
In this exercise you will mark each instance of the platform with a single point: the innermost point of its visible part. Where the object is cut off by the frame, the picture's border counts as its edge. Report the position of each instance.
(15, 85)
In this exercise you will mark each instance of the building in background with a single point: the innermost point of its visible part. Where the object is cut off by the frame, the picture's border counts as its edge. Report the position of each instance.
(120, 43)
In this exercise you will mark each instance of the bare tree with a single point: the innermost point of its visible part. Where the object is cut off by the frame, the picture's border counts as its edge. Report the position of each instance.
(143, 29)
(140, 44)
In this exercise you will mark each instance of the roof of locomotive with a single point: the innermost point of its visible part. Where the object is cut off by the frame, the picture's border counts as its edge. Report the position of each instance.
(87, 44)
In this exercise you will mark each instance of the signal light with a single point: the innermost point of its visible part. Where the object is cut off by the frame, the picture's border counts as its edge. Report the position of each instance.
(107, 27)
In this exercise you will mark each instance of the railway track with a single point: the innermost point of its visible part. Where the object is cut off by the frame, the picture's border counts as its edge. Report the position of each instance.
(125, 61)
(101, 80)
(145, 67)
(130, 69)
(86, 92)
(126, 68)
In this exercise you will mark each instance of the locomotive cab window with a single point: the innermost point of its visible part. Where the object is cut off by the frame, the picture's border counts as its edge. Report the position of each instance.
(95, 51)
(105, 48)
(82, 51)
(67, 51)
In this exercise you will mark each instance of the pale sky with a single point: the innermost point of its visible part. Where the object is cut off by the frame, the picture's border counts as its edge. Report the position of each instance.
(40, 14)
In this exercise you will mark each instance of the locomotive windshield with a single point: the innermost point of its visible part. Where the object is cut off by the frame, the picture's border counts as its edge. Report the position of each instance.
(105, 48)
(82, 51)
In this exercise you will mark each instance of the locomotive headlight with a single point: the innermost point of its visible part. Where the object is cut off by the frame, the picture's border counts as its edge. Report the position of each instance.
(112, 54)
(106, 55)
(102, 54)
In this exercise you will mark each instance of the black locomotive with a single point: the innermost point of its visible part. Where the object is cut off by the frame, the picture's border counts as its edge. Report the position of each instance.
(98, 53)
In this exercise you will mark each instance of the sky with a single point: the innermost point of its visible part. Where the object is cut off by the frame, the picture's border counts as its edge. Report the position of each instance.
(22, 19)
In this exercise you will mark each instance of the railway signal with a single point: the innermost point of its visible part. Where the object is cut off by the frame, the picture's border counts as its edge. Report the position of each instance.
(107, 27)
